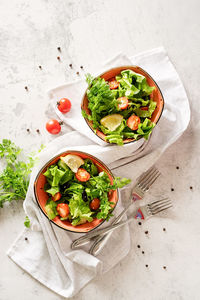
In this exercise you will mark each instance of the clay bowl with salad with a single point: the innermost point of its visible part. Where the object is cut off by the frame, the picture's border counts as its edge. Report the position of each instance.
(76, 191)
(122, 105)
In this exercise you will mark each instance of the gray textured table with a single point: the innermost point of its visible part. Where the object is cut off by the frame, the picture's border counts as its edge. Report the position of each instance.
(89, 32)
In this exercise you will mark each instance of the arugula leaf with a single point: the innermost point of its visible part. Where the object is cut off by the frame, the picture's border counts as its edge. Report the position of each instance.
(90, 167)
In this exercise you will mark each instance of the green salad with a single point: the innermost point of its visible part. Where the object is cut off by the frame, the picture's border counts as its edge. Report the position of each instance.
(122, 107)
(77, 191)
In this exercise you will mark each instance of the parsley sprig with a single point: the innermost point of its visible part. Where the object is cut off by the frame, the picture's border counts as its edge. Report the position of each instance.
(14, 179)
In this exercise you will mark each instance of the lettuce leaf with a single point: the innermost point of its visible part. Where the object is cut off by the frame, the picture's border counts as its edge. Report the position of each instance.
(79, 210)
(51, 210)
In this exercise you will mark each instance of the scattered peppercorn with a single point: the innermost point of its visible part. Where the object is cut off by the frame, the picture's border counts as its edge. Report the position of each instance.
(58, 57)
(177, 167)
(26, 88)
(164, 229)
(40, 67)
(172, 189)
(59, 49)
(77, 73)
(26, 239)
(142, 252)
(191, 187)
(146, 266)
(28, 130)
(146, 232)
(81, 67)
(164, 267)
(139, 223)
(38, 131)
(138, 246)
(70, 65)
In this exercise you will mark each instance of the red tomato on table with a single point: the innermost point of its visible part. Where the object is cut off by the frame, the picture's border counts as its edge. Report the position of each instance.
(64, 105)
(53, 126)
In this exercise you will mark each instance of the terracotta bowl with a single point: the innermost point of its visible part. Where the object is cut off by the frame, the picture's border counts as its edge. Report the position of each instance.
(156, 95)
(42, 197)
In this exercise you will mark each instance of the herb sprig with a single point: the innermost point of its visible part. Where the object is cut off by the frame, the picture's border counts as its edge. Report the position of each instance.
(14, 179)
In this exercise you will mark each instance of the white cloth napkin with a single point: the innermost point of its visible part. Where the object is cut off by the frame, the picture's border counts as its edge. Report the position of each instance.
(46, 255)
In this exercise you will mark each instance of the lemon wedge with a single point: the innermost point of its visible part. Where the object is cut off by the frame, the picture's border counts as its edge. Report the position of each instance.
(111, 122)
(73, 161)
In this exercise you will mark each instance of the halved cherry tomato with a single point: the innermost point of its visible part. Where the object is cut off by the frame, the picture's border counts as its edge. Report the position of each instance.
(113, 84)
(82, 175)
(95, 203)
(144, 108)
(63, 209)
(133, 122)
(64, 105)
(53, 126)
(122, 103)
(57, 196)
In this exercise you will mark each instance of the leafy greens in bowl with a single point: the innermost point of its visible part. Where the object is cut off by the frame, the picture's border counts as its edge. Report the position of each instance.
(122, 105)
(76, 191)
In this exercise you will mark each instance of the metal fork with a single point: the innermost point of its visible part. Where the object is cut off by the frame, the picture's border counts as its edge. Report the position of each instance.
(144, 212)
(141, 186)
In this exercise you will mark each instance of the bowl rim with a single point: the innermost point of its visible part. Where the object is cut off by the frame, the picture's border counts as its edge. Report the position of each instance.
(132, 66)
(47, 164)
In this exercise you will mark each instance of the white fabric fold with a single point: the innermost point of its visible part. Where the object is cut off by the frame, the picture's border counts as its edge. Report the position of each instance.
(47, 255)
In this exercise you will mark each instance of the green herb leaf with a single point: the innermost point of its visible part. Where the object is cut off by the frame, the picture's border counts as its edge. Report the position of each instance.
(27, 222)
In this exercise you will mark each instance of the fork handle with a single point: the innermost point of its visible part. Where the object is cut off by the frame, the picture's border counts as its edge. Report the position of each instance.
(84, 239)
(100, 241)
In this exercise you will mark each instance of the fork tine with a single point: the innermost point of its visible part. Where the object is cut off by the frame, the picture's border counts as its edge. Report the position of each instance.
(161, 209)
(146, 174)
(160, 206)
(152, 180)
(156, 203)
(142, 182)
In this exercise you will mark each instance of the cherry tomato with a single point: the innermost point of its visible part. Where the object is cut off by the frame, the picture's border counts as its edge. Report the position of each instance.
(53, 126)
(63, 209)
(122, 103)
(113, 84)
(94, 204)
(57, 196)
(82, 175)
(144, 108)
(133, 122)
(64, 105)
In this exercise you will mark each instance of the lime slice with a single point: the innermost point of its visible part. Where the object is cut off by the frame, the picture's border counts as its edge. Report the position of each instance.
(111, 121)
(72, 161)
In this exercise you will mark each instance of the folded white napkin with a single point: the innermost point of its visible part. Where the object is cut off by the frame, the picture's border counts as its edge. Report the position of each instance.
(46, 255)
